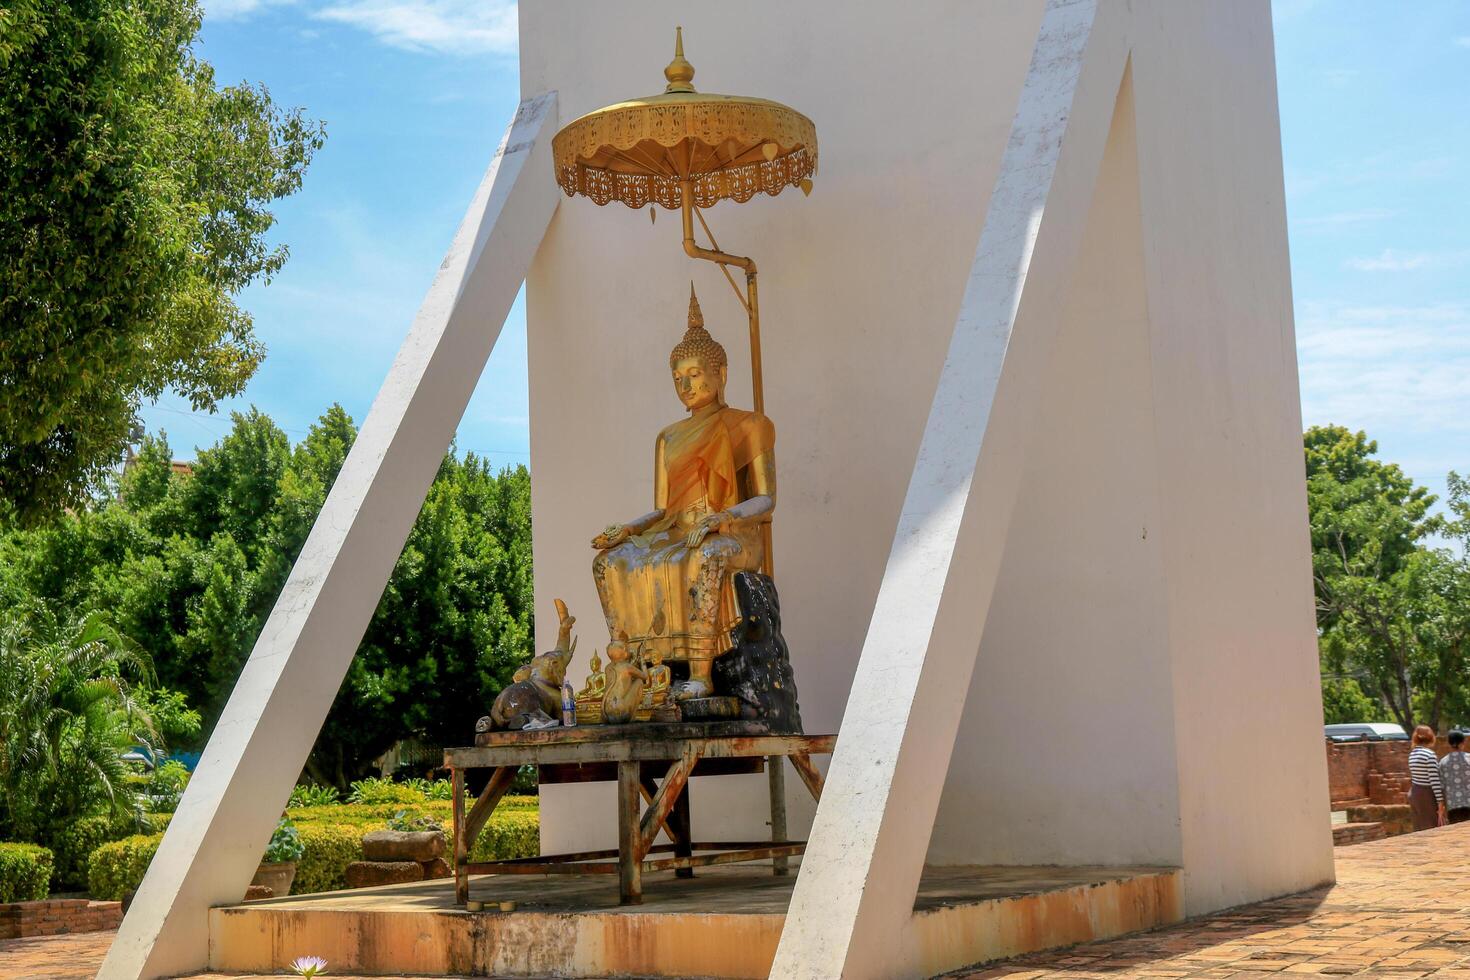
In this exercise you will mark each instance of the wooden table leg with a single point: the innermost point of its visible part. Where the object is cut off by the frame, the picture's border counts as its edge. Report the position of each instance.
(461, 846)
(649, 789)
(630, 864)
(776, 780)
(809, 773)
(682, 826)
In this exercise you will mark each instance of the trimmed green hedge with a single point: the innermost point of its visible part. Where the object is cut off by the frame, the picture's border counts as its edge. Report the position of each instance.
(25, 872)
(117, 867)
(375, 813)
(332, 836)
(73, 847)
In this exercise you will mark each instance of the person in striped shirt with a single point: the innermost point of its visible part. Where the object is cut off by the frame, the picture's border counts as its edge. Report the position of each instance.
(1454, 772)
(1426, 792)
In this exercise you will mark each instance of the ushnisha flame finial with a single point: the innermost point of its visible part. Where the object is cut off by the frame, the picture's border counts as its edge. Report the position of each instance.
(697, 342)
(680, 73)
(696, 316)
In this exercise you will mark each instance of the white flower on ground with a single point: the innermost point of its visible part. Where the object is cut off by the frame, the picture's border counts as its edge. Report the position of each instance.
(308, 966)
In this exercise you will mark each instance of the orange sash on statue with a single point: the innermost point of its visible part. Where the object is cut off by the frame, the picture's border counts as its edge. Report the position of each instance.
(705, 458)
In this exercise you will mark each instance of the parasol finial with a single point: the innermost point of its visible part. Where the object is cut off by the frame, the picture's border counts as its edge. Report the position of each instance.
(680, 73)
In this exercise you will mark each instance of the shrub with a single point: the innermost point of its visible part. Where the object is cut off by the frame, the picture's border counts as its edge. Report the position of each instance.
(118, 867)
(331, 839)
(374, 790)
(74, 845)
(432, 789)
(413, 823)
(166, 786)
(285, 844)
(25, 872)
(311, 795)
(330, 848)
(508, 835)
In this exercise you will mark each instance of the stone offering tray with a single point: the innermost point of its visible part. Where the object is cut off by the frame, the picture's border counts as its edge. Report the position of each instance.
(634, 755)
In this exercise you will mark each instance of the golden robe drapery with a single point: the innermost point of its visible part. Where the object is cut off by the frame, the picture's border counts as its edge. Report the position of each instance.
(666, 596)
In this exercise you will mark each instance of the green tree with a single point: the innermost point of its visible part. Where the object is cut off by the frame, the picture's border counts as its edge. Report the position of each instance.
(190, 566)
(134, 199)
(67, 711)
(1343, 701)
(1392, 613)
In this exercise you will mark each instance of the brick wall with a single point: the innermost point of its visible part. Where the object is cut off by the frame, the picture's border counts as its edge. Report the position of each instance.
(1364, 772)
(55, 917)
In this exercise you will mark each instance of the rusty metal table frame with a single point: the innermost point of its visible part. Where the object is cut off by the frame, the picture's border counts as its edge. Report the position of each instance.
(685, 747)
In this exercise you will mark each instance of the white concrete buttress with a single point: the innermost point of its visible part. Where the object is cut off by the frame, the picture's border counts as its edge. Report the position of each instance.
(226, 817)
(855, 892)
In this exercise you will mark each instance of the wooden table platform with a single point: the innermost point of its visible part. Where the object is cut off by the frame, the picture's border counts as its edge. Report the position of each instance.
(634, 755)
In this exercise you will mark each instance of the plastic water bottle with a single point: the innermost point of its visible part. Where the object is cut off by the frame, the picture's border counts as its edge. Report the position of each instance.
(568, 705)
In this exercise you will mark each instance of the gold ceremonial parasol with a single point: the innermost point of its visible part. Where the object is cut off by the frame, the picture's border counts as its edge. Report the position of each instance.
(687, 150)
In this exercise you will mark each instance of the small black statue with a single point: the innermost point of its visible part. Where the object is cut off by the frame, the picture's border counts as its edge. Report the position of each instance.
(758, 669)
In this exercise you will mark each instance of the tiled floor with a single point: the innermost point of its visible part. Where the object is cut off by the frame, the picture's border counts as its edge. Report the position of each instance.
(1400, 910)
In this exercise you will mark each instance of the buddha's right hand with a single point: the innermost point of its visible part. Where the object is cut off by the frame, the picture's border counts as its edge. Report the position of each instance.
(615, 535)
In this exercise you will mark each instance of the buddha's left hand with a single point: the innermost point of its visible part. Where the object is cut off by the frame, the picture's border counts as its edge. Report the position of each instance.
(712, 522)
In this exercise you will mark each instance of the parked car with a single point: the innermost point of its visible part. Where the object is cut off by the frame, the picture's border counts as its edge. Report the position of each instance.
(1367, 731)
(140, 756)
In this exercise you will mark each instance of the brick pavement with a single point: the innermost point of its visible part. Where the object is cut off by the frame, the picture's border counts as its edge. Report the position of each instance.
(1400, 911)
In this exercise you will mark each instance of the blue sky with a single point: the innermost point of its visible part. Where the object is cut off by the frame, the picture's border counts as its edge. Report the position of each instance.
(416, 94)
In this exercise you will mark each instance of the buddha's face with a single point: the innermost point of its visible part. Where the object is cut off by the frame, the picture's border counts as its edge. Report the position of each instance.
(696, 385)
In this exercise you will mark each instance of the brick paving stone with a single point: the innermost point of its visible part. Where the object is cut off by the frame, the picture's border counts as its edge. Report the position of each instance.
(1400, 911)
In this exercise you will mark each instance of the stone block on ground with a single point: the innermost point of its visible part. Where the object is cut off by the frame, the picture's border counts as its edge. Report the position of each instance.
(437, 868)
(402, 845)
(1356, 833)
(365, 874)
(1395, 818)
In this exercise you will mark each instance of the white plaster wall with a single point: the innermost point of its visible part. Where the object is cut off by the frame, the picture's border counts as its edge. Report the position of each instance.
(1067, 752)
(860, 284)
(1252, 781)
(1185, 658)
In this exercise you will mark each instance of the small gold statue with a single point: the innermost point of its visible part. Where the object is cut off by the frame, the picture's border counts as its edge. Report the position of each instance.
(660, 681)
(665, 578)
(624, 685)
(589, 698)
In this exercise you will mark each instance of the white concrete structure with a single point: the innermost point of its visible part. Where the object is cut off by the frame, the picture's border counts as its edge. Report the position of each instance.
(1085, 429)
(261, 742)
(1151, 640)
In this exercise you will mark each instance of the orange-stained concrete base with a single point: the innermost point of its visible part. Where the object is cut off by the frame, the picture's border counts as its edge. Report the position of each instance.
(723, 923)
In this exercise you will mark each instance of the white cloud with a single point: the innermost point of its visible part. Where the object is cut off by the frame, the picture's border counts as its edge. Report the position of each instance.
(1390, 166)
(235, 9)
(1393, 260)
(1339, 219)
(1386, 367)
(445, 26)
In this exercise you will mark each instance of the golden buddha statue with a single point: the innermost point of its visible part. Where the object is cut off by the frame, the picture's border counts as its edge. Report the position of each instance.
(665, 578)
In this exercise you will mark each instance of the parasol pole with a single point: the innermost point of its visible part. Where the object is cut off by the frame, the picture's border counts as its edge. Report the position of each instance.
(752, 309)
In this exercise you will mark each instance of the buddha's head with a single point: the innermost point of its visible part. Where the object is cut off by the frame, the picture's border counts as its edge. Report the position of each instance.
(698, 363)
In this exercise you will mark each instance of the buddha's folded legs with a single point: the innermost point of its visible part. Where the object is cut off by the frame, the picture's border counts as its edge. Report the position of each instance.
(666, 596)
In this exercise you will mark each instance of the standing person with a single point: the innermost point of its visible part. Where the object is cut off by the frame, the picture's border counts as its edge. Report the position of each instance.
(1454, 773)
(1426, 794)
